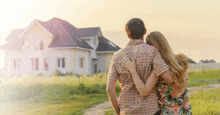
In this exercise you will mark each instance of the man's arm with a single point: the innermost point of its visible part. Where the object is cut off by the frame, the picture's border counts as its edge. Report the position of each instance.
(111, 85)
(112, 96)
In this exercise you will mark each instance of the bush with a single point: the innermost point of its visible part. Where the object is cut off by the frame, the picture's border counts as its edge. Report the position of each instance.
(57, 73)
(82, 89)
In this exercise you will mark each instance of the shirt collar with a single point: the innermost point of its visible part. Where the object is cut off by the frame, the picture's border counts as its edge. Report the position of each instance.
(135, 42)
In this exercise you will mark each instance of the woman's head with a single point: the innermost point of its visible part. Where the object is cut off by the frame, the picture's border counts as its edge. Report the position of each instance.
(157, 40)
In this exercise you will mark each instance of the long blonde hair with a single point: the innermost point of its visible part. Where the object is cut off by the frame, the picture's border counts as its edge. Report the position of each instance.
(159, 41)
(183, 60)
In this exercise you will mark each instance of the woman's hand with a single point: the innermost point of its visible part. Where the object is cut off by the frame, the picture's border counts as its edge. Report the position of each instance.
(129, 65)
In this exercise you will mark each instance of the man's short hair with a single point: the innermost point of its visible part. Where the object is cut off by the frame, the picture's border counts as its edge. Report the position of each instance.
(135, 28)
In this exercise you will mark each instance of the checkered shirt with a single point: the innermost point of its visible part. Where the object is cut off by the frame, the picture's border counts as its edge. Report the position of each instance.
(146, 58)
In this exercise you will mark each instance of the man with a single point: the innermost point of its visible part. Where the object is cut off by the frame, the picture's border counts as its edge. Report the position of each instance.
(130, 101)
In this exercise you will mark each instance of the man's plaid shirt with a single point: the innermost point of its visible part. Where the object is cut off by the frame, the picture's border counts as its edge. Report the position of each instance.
(145, 57)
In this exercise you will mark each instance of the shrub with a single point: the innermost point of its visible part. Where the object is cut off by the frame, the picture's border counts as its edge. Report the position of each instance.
(81, 87)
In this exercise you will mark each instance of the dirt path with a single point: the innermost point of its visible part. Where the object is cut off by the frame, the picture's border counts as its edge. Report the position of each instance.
(100, 109)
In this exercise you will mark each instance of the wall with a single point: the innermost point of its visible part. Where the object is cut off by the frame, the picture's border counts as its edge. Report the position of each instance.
(103, 62)
(87, 62)
(204, 66)
(90, 41)
(101, 65)
(35, 35)
(108, 61)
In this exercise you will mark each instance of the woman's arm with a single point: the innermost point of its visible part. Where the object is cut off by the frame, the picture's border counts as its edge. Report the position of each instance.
(143, 89)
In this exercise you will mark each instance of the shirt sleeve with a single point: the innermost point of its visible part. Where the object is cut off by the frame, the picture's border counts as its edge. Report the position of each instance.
(112, 73)
(159, 66)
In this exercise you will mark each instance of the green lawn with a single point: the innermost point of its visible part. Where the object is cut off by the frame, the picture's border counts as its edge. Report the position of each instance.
(68, 95)
(200, 78)
(206, 102)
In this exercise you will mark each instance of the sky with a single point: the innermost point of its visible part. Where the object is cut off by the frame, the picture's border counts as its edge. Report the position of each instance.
(191, 27)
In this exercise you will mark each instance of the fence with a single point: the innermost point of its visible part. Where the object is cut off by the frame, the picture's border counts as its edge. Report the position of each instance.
(204, 66)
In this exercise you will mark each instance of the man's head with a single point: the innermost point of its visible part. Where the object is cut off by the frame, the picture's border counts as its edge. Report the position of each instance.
(135, 28)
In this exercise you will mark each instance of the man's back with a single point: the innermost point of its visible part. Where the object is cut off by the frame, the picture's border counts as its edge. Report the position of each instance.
(130, 100)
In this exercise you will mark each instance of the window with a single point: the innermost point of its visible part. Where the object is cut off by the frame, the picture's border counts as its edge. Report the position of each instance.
(41, 46)
(58, 62)
(35, 63)
(17, 63)
(46, 63)
(81, 62)
(61, 62)
(95, 67)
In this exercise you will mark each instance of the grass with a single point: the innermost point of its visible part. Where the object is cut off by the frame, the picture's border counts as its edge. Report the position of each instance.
(70, 94)
(203, 77)
(52, 95)
(206, 102)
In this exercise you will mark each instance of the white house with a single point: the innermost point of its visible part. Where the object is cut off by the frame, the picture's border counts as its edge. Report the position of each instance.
(44, 47)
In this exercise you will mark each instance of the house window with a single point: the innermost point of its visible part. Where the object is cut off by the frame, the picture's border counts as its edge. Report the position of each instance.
(61, 62)
(81, 62)
(46, 63)
(58, 62)
(95, 67)
(41, 46)
(35, 63)
(17, 63)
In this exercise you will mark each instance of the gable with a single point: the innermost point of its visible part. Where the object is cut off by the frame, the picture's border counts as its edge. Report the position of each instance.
(35, 34)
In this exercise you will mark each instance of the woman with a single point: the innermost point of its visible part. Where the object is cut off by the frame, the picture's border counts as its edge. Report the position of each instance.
(172, 99)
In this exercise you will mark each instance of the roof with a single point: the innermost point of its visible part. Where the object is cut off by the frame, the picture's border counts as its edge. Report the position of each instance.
(88, 32)
(13, 35)
(64, 35)
(13, 44)
(191, 61)
(106, 45)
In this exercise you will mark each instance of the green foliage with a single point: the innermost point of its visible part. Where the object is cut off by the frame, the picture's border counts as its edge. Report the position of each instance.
(82, 89)
(57, 73)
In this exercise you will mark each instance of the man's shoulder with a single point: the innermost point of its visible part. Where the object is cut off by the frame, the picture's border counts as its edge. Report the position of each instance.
(118, 53)
(145, 48)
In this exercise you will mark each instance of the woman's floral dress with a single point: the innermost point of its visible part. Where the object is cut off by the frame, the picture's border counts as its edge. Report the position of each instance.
(171, 102)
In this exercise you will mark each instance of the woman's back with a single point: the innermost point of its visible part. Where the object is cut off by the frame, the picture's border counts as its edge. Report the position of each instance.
(173, 102)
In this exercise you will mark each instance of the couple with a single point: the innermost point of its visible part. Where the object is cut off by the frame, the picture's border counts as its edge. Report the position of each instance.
(153, 80)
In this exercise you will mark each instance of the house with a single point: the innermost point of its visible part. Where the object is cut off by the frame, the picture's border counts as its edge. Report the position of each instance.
(44, 47)
(205, 65)
(207, 61)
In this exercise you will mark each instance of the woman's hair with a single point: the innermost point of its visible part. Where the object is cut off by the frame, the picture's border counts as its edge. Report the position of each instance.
(182, 60)
(159, 41)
